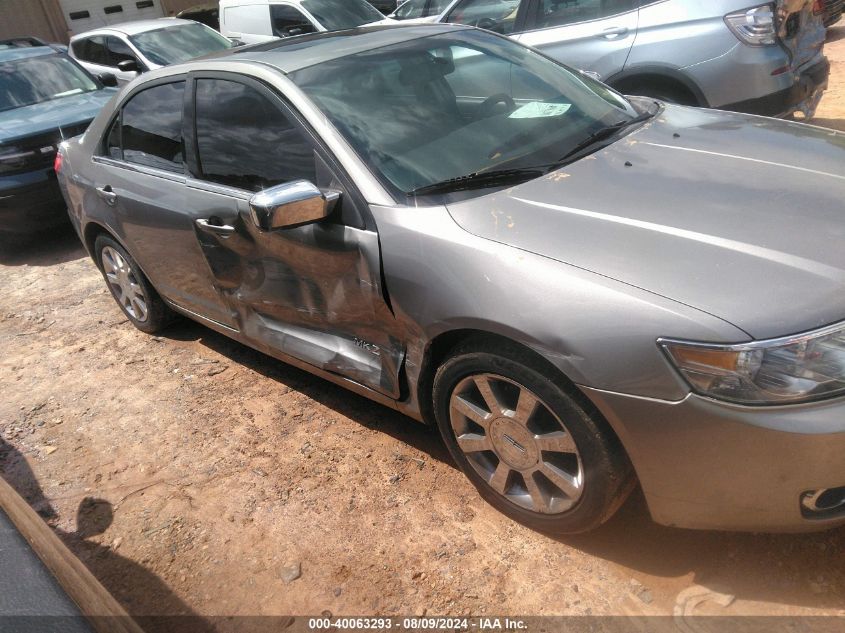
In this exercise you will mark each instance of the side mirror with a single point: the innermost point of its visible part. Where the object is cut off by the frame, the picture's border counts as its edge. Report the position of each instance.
(108, 80)
(290, 204)
(129, 66)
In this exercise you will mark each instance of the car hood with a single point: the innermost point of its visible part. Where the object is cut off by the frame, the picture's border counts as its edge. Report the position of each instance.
(50, 115)
(739, 216)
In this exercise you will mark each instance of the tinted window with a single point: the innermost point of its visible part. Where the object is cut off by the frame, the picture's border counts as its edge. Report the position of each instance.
(152, 127)
(557, 12)
(244, 139)
(493, 15)
(92, 49)
(119, 51)
(436, 7)
(113, 141)
(288, 20)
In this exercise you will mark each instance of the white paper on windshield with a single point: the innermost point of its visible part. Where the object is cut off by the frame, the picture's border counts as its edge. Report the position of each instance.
(538, 109)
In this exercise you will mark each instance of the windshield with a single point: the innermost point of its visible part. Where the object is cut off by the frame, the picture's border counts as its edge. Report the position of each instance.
(176, 44)
(32, 80)
(447, 106)
(337, 15)
(410, 10)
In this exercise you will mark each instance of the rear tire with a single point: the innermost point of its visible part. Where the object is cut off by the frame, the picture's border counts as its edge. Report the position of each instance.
(537, 451)
(132, 291)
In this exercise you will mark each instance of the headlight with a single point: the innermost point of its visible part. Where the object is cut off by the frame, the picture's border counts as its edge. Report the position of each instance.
(754, 26)
(781, 371)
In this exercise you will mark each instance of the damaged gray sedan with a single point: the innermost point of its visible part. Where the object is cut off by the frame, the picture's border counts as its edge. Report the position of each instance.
(583, 292)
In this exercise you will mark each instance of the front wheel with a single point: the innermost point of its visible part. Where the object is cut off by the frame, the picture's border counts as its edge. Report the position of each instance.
(534, 450)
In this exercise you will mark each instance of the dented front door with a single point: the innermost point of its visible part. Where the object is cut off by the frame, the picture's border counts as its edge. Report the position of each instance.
(312, 292)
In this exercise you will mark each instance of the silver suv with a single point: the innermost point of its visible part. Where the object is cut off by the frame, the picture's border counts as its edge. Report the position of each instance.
(764, 59)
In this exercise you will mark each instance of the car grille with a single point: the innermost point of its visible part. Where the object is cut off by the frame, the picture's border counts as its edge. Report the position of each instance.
(36, 152)
(833, 11)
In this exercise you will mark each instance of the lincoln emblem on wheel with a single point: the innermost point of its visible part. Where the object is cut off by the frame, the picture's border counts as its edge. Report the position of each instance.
(584, 292)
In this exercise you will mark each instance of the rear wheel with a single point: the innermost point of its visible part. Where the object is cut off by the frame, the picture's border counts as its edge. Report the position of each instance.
(534, 450)
(130, 288)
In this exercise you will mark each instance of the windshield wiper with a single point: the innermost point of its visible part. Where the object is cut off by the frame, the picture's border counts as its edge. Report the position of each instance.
(605, 133)
(477, 180)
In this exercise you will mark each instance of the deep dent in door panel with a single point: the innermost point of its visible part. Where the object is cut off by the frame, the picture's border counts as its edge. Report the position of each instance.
(313, 292)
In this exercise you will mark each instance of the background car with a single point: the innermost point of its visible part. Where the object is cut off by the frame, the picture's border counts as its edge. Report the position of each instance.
(582, 291)
(385, 6)
(208, 14)
(253, 21)
(45, 98)
(765, 59)
(135, 47)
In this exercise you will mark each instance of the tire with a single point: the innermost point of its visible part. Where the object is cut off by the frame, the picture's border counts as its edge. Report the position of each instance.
(559, 470)
(130, 288)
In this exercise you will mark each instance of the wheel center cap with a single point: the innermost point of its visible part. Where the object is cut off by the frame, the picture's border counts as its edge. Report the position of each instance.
(513, 443)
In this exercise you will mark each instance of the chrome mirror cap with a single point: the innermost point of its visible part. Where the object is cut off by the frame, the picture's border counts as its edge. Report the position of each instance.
(290, 204)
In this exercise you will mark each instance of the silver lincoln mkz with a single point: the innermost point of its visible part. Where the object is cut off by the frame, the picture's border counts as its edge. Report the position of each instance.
(582, 291)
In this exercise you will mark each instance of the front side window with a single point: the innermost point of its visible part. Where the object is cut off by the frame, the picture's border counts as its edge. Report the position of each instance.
(288, 20)
(494, 15)
(468, 102)
(244, 139)
(436, 7)
(176, 44)
(560, 12)
(119, 51)
(33, 80)
(410, 10)
(92, 50)
(151, 128)
(336, 15)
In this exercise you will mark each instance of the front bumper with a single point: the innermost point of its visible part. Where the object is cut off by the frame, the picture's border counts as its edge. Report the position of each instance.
(804, 94)
(711, 465)
(31, 202)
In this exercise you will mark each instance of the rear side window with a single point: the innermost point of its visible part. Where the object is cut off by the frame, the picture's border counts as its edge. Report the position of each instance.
(151, 128)
(92, 50)
(245, 140)
(559, 12)
(288, 20)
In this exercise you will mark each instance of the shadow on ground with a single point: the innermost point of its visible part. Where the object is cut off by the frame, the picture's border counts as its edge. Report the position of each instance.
(139, 591)
(49, 248)
(789, 569)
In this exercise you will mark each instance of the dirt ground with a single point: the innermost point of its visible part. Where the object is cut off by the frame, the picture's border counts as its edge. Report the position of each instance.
(194, 475)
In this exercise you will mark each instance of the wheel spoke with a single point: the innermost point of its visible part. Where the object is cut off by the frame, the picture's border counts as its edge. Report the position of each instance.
(499, 479)
(473, 443)
(538, 499)
(486, 390)
(565, 482)
(526, 406)
(558, 442)
(469, 410)
(140, 308)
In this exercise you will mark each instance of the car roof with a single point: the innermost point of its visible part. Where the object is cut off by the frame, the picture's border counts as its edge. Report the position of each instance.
(14, 53)
(294, 53)
(133, 28)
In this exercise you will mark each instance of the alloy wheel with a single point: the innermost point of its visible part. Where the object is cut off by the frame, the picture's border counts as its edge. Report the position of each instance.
(516, 443)
(124, 285)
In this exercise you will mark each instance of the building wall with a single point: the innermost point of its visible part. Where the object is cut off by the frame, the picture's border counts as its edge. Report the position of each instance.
(42, 18)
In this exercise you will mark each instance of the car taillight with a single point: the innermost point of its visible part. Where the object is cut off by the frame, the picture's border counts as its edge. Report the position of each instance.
(755, 26)
(57, 163)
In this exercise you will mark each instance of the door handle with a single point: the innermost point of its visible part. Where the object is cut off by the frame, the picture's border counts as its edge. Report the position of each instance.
(614, 32)
(107, 194)
(217, 229)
